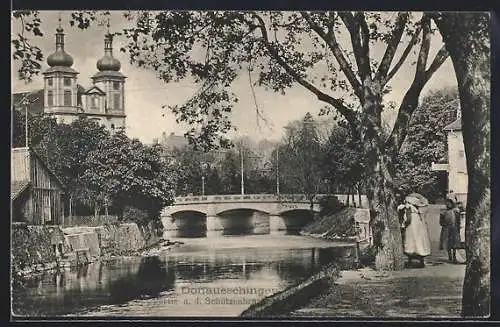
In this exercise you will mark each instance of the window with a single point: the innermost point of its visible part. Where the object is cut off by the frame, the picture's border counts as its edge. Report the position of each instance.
(67, 81)
(50, 98)
(49, 81)
(94, 103)
(67, 98)
(116, 85)
(116, 101)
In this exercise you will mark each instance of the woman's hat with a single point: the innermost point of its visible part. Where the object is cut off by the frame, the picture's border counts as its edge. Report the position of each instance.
(417, 199)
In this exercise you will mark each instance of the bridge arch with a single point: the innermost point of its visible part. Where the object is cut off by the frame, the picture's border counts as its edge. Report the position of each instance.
(185, 223)
(176, 210)
(291, 221)
(251, 206)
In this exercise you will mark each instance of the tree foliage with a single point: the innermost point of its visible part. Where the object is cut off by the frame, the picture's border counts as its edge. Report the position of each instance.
(343, 161)
(300, 154)
(126, 172)
(426, 143)
(221, 170)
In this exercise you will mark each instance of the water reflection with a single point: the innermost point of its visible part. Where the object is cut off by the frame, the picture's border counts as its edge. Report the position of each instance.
(155, 286)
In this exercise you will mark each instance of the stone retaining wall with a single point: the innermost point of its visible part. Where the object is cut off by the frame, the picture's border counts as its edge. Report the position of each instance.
(36, 248)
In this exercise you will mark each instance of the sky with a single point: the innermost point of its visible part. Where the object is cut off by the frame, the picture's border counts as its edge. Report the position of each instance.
(145, 94)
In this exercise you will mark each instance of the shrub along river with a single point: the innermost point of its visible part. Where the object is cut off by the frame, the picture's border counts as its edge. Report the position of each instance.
(219, 276)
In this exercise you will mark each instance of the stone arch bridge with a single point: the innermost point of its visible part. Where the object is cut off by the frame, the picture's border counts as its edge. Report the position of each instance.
(262, 213)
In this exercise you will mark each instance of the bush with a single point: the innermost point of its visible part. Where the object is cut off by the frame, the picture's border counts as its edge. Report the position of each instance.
(330, 205)
(340, 224)
(367, 256)
(138, 216)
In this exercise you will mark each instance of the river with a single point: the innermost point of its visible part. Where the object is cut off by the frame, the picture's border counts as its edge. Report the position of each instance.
(219, 276)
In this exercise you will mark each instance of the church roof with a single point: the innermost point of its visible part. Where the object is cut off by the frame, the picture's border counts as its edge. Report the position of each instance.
(108, 73)
(60, 69)
(93, 88)
(454, 126)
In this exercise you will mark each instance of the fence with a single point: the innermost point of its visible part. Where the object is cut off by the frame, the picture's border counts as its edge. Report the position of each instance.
(90, 221)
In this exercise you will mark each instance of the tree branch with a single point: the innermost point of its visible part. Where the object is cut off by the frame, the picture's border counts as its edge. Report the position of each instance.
(405, 54)
(365, 44)
(348, 113)
(333, 45)
(392, 46)
(423, 54)
(355, 25)
(440, 58)
(410, 100)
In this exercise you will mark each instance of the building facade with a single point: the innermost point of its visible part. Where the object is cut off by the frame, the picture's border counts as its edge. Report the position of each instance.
(456, 167)
(66, 100)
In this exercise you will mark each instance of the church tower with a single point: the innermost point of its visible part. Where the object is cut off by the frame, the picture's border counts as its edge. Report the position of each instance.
(60, 85)
(110, 80)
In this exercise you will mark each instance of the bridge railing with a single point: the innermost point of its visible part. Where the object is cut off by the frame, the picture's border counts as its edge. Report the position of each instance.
(260, 198)
(243, 198)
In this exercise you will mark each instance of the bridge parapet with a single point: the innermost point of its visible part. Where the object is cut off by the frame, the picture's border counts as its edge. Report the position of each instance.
(246, 198)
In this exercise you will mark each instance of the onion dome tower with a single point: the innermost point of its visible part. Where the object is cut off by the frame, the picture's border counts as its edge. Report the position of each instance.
(60, 87)
(110, 80)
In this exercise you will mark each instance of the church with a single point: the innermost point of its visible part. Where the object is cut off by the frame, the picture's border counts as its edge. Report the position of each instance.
(66, 100)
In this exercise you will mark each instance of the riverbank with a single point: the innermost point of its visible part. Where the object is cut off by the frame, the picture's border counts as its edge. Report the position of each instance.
(431, 292)
(39, 249)
(434, 291)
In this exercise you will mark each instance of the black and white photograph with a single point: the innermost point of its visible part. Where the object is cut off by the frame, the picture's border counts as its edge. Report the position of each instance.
(250, 164)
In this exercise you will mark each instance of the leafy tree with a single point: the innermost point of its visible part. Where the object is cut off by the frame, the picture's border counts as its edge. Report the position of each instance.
(130, 174)
(190, 165)
(425, 144)
(301, 151)
(342, 161)
(230, 172)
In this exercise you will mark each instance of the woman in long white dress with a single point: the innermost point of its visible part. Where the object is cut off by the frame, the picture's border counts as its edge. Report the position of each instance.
(416, 236)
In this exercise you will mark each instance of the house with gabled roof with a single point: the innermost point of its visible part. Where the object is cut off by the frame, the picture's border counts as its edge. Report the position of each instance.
(37, 193)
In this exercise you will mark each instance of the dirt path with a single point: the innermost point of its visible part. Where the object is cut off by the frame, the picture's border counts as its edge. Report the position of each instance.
(431, 292)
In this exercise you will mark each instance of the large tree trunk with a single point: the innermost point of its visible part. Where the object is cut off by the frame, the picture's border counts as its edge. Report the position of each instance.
(380, 187)
(466, 36)
(383, 217)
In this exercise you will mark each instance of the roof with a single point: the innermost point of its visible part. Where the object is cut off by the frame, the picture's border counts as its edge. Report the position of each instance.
(35, 99)
(17, 187)
(43, 163)
(61, 69)
(108, 73)
(93, 88)
(455, 126)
